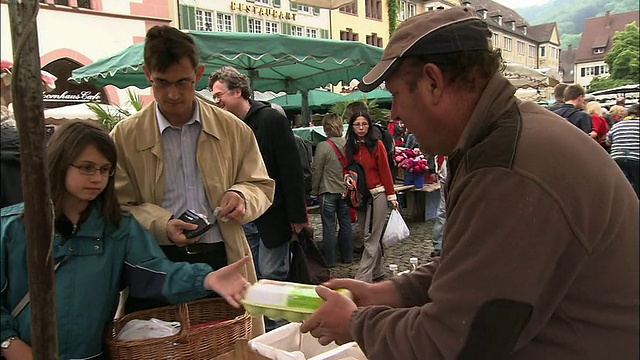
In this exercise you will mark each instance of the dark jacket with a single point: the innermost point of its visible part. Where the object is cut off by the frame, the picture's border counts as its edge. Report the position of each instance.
(577, 117)
(280, 155)
(10, 181)
(555, 106)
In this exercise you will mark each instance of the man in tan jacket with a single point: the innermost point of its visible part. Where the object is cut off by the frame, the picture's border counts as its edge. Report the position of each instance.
(180, 153)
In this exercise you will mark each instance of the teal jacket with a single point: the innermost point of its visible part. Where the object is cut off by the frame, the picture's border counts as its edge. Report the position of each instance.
(102, 261)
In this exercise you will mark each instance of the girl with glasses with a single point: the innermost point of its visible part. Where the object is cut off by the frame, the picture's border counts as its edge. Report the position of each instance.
(100, 250)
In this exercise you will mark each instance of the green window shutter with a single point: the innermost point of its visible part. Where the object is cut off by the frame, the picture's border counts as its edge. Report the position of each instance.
(241, 23)
(316, 11)
(286, 28)
(293, 6)
(252, 1)
(276, 3)
(187, 17)
(324, 34)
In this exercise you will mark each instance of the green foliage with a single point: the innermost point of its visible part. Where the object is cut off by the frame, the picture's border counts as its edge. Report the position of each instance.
(624, 68)
(393, 15)
(378, 115)
(570, 15)
(623, 56)
(109, 118)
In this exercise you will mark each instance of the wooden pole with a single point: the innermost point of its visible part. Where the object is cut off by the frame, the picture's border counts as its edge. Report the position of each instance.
(26, 86)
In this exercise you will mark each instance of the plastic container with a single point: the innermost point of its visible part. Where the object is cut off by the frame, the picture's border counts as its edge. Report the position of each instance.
(287, 343)
(283, 300)
(414, 263)
(394, 270)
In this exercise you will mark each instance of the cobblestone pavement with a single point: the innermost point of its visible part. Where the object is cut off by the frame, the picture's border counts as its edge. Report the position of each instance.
(419, 245)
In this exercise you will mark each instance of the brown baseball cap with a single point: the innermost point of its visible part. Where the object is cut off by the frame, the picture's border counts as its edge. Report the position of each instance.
(434, 32)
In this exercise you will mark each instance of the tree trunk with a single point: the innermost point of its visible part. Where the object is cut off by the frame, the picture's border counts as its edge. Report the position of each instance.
(27, 105)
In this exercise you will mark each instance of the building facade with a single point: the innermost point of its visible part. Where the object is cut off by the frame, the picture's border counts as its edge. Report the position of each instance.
(595, 43)
(536, 46)
(255, 16)
(82, 41)
(366, 21)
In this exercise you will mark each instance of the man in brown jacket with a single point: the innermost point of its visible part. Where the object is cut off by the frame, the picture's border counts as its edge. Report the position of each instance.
(542, 250)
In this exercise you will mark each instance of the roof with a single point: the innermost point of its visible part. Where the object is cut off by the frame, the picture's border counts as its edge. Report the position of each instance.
(567, 60)
(598, 32)
(541, 32)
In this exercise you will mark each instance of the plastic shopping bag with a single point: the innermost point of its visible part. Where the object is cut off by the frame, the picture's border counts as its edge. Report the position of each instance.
(396, 229)
(148, 329)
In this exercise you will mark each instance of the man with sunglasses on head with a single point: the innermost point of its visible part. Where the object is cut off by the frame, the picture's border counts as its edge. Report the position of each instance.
(269, 235)
(180, 153)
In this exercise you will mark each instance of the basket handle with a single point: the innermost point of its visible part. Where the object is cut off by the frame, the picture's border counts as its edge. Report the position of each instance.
(185, 324)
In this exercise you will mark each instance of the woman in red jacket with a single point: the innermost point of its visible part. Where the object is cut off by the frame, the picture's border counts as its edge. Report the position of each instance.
(599, 123)
(364, 147)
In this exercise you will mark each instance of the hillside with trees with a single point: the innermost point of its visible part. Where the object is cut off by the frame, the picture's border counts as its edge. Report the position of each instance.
(570, 15)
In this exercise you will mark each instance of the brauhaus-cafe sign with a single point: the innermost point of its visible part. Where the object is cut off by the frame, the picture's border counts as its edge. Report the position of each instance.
(263, 10)
(69, 96)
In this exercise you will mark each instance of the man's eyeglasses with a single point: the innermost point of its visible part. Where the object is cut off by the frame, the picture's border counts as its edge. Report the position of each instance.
(90, 170)
(180, 84)
(217, 96)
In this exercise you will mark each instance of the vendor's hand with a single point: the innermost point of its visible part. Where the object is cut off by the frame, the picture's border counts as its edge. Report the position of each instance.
(232, 206)
(175, 232)
(331, 322)
(229, 282)
(432, 178)
(19, 350)
(365, 294)
(297, 227)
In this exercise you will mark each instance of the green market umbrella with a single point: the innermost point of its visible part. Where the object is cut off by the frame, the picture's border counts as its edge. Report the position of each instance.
(315, 134)
(273, 62)
(316, 99)
(381, 95)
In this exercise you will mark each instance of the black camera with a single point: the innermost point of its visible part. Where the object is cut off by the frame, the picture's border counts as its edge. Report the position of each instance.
(193, 217)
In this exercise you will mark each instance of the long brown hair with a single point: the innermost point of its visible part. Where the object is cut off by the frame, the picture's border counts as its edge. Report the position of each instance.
(66, 144)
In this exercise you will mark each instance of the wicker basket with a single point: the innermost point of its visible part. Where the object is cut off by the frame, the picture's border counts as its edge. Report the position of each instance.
(202, 343)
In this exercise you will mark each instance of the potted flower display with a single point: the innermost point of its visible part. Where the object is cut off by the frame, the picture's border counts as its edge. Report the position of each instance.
(414, 165)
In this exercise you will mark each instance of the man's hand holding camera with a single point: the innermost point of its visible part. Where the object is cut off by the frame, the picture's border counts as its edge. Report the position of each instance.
(175, 232)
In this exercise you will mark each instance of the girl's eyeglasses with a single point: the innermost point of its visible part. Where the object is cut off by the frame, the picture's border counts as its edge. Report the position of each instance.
(90, 170)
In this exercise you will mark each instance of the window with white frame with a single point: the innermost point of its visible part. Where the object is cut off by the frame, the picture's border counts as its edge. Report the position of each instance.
(312, 33)
(204, 20)
(305, 8)
(297, 30)
(263, 2)
(508, 43)
(223, 22)
(532, 51)
(521, 47)
(496, 40)
(411, 10)
(599, 50)
(543, 51)
(255, 26)
(401, 13)
(271, 27)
